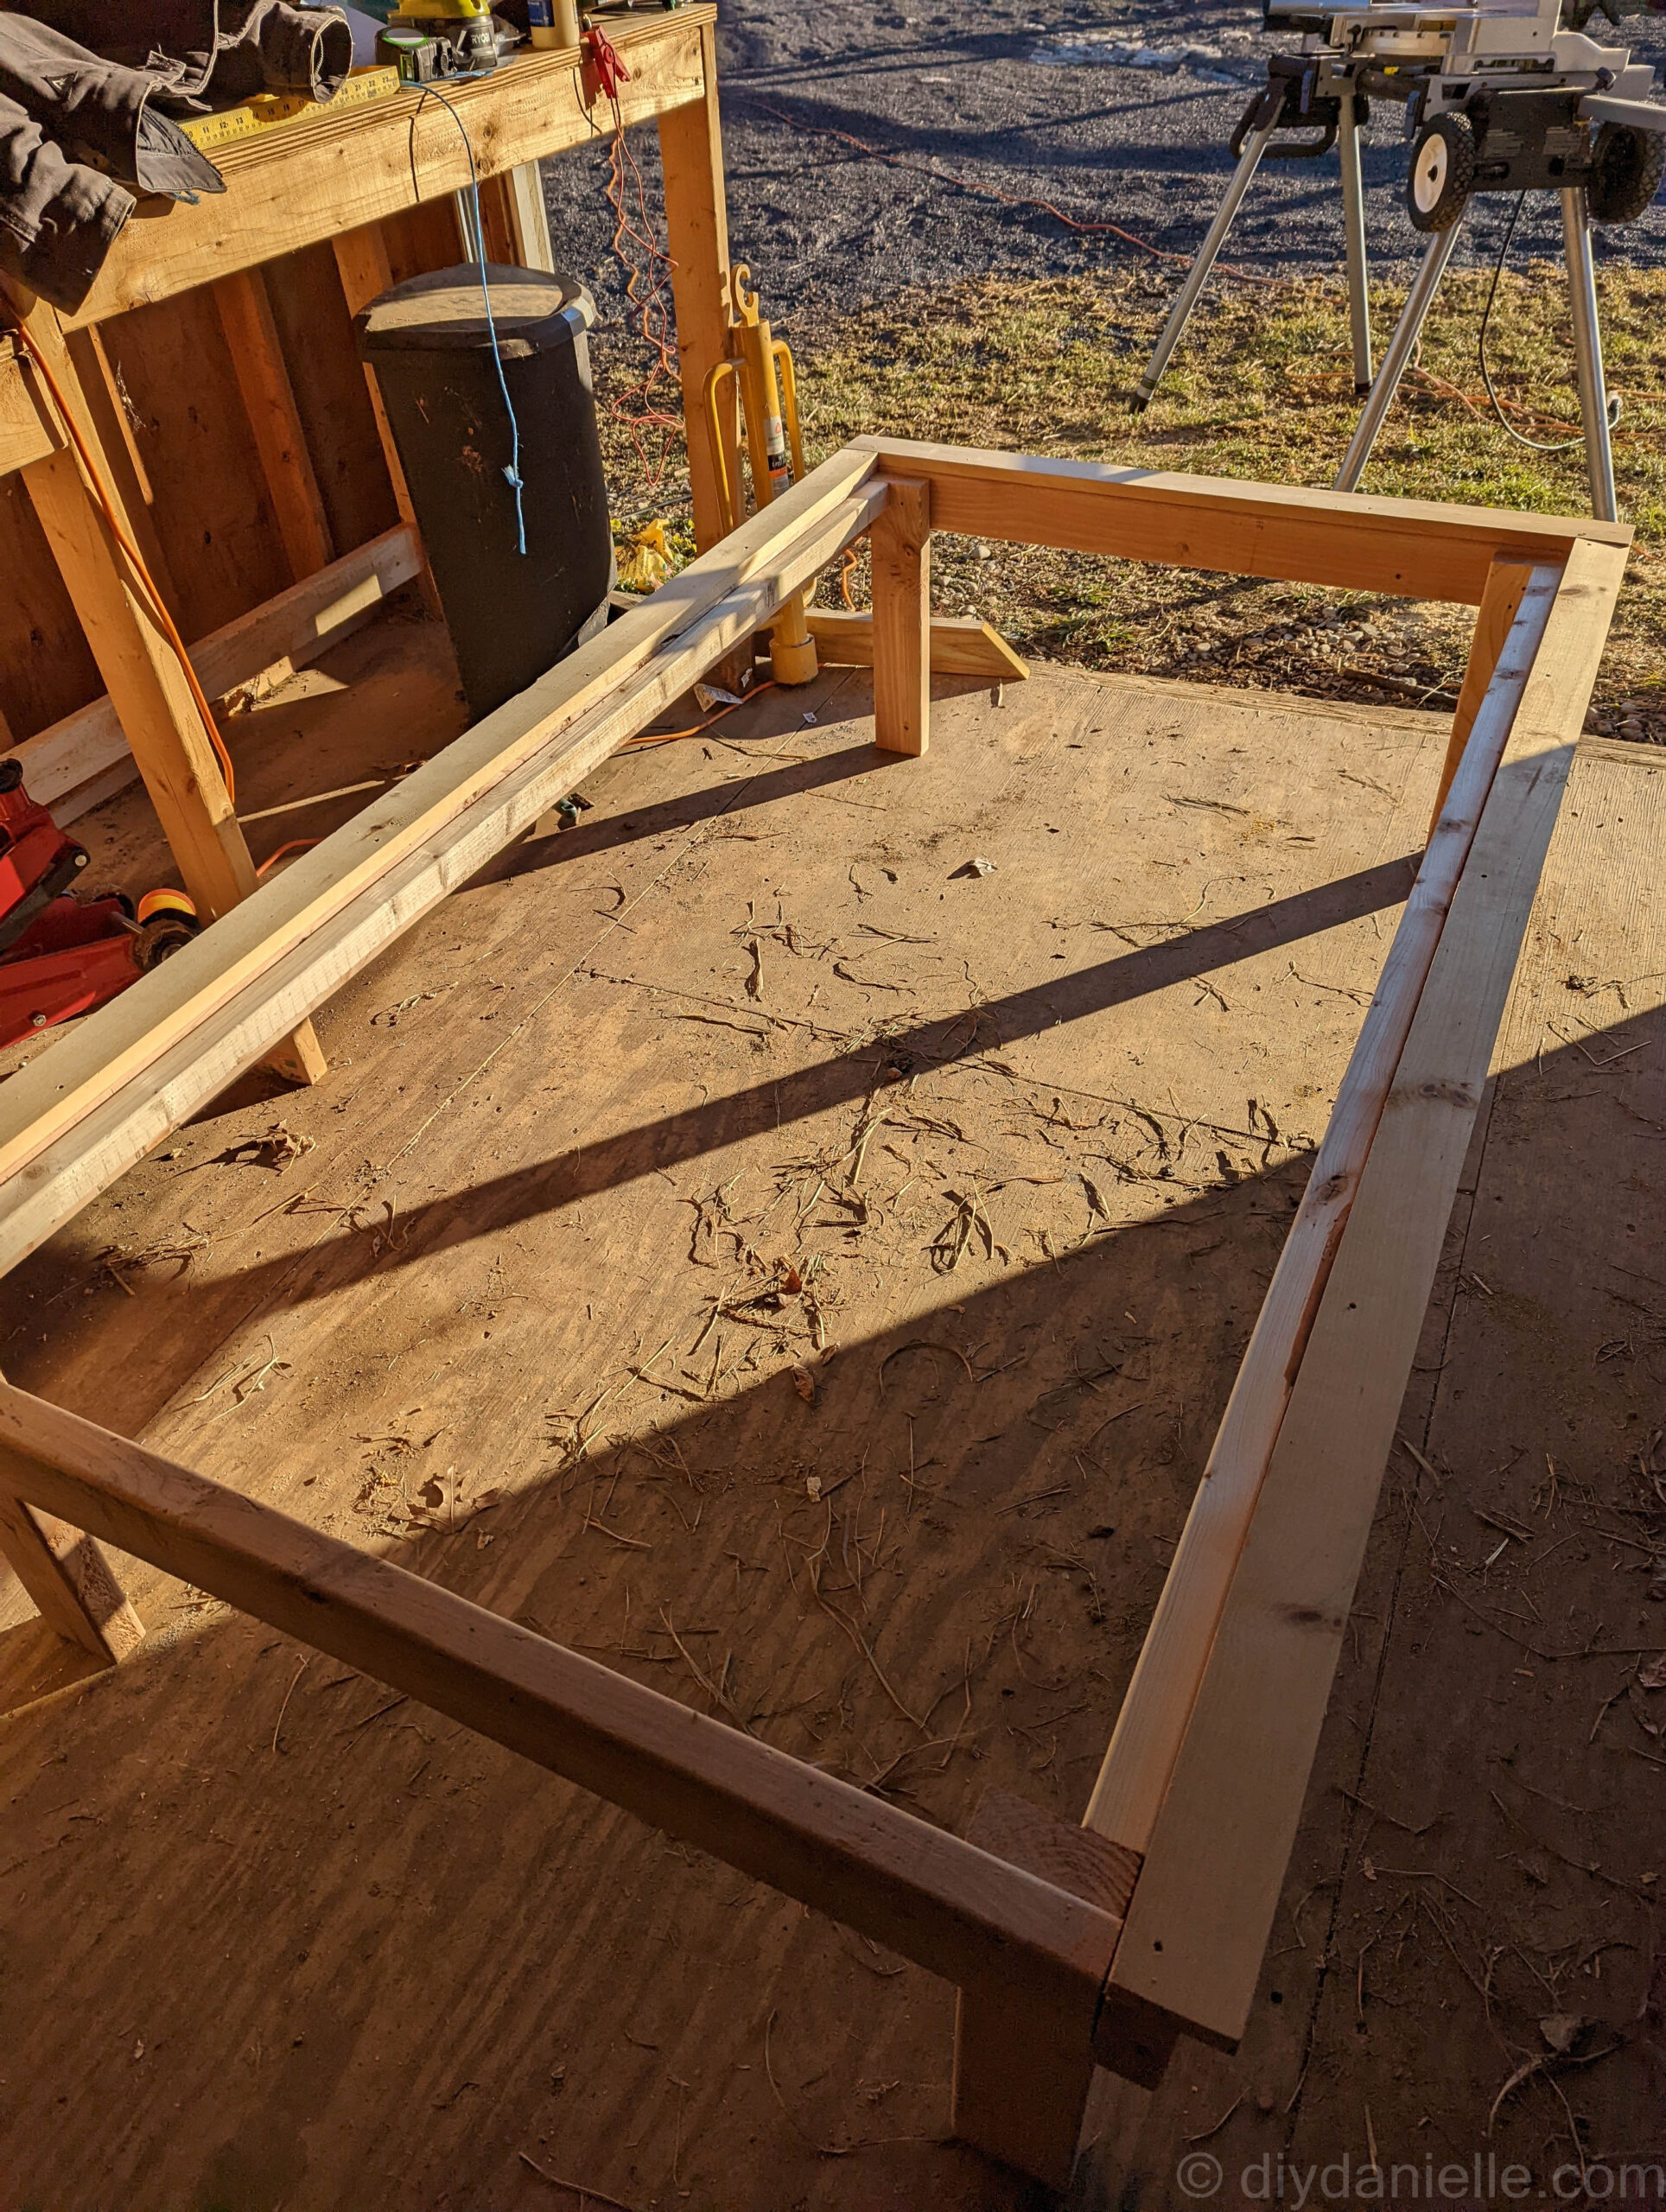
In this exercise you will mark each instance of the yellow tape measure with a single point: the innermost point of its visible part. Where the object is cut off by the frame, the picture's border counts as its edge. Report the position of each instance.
(266, 110)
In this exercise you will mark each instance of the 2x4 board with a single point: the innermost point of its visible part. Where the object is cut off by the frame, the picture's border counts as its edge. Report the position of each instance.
(1070, 1946)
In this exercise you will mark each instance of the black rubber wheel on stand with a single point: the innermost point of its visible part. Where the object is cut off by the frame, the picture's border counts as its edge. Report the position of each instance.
(1441, 171)
(1626, 167)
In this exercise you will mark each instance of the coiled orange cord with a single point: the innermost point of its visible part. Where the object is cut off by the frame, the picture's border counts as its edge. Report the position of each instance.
(635, 408)
(163, 620)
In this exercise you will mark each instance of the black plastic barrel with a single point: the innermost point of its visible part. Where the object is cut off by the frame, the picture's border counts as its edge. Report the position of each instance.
(511, 615)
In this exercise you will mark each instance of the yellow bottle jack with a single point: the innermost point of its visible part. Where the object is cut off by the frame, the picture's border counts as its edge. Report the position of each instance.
(775, 456)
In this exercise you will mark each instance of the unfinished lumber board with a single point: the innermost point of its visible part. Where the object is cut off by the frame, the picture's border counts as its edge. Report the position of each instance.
(71, 1584)
(961, 644)
(497, 222)
(1151, 1723)
(148, 685)
(46, 667)
(206, 489)
(245, 315)
(206, 1012)
(936, 1899)
(361, 261)
(901, 549)
(1020, 2086)
(1506, 580)
(315, 329)
(529, 219)
(27, 430)
(1414, 547)
(696, 232)
(297, 624)
(118, 447)
(1204, 1906)
(300, 185)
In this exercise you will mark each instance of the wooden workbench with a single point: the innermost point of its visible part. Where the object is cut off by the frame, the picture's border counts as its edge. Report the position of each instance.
(213, 380)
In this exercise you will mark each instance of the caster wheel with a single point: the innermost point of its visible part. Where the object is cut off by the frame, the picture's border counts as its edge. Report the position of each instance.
(1442, 170)
(1626, 167)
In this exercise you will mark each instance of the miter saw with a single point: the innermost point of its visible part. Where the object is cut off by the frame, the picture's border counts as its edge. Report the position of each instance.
(1501, 97)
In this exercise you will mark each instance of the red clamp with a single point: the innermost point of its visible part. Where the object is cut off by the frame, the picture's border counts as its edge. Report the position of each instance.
(604, 70)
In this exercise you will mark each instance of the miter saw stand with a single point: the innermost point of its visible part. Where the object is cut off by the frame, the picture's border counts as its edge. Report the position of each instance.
(1500, 100)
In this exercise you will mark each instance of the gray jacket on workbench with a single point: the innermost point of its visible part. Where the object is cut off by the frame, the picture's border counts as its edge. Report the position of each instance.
(228, 48)
(80, 81)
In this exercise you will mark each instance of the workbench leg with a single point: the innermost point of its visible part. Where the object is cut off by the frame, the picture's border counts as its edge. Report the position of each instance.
(901, 543)
(529, 218)
(246, 316)
(361, 259)
(514, 218)
(120, 448)
(696, 225)
(69, 1581)
(171, 749)
(1506, 580)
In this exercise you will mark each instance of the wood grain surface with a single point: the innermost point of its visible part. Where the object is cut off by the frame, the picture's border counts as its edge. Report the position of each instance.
(543, 1245)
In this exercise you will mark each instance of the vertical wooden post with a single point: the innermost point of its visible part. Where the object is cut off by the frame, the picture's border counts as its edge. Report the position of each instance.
(361, 258)
(901, 545)
(696, 225)
(1020, 2089)
(512, 216)
(173, 751)
(69, 1581)
(246, 315)
(1021, 2074)
(120, 450)
(529, 219)
(1506, 579)
(149, 694)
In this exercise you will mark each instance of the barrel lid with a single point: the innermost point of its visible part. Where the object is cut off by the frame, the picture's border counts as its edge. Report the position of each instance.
(444, 310)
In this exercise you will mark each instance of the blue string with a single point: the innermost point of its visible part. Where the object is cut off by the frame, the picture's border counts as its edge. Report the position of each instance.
(512, 475)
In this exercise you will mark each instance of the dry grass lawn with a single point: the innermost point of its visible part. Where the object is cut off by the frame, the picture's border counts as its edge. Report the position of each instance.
(1262, 387)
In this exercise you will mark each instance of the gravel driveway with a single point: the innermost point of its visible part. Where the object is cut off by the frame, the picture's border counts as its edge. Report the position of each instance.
(1037, 102)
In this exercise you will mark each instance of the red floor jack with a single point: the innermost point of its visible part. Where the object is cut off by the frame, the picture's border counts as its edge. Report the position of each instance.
(61, 955)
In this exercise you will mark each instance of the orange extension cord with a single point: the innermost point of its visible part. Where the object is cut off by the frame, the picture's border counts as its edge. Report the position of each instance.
(671, 736)
(163, 620)
(654, 271)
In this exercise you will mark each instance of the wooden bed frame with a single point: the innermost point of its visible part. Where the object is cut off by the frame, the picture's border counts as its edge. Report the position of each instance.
(1070, 1947)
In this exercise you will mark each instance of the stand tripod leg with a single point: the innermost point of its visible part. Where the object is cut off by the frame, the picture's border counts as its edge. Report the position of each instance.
(1353, 229)
(1406, 334)
(1587, 350)
(1198, 274)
